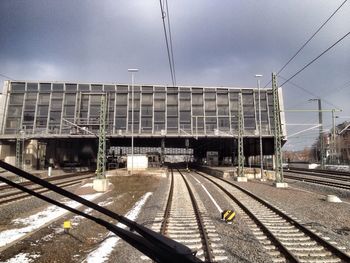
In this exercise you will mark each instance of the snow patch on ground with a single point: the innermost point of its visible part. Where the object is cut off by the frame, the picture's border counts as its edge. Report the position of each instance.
(48, 237)
(34, 222)
(76, 219)
(105, 203)
(91, 184)
(22, 258)
(102, 253)
(87, 185)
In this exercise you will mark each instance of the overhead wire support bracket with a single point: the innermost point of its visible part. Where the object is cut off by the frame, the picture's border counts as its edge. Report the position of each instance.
(306, 110)
(308, 129)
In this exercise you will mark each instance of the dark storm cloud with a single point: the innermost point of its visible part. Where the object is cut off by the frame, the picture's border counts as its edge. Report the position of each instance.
(216, 43)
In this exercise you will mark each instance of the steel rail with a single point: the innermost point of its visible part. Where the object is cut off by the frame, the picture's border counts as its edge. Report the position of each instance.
(20, 195)
(37, 187)
(337, 252)
(205, 238)
(289, 255)
(49, 179)
(339, 177)
(164, 246)
(163, 227)
(145, 245)
(317, 181)
(333, 172)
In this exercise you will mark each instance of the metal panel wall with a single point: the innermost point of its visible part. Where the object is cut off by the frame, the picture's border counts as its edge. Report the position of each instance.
(49, 108)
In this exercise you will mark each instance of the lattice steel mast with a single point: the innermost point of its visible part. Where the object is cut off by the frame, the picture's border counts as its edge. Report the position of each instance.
(101, 154)
(240, 136)
(277, 132)
(19, 155)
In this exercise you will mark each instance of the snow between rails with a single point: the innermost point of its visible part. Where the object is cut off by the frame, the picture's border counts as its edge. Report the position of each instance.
(102, 253)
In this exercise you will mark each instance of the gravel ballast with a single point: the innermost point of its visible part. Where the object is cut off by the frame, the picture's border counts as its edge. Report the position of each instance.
(307, 203)
(51, 244)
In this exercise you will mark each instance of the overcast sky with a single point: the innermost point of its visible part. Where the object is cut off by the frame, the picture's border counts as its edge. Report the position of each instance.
(216, 43)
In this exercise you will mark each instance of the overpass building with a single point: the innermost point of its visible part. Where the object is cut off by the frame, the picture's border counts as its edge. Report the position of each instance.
(46, 117)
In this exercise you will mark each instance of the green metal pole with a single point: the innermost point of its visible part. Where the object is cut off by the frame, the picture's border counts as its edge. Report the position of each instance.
(18, 152)
(277, 131)
(240, 136)
(101, 154)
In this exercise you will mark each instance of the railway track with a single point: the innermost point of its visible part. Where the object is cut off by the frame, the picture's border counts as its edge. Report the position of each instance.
(319, 171)
(327, 180)
(323, 174)
(284, 238)
(49, 179)
(185, 220)
(63, 181)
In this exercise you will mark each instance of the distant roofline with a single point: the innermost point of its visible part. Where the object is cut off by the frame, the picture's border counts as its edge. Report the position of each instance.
(127, 84)
(346, 128)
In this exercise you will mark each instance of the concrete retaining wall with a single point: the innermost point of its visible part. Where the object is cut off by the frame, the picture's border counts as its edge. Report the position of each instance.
(303, 165)
(211, 171)
(250, 173)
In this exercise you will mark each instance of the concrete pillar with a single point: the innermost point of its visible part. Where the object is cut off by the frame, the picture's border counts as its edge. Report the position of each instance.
(8, 153)
(41, 155)
(187, 144)
(31, 154)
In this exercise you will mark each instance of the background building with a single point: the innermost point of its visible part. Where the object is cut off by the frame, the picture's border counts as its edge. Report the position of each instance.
(46, 116)
(341, 146)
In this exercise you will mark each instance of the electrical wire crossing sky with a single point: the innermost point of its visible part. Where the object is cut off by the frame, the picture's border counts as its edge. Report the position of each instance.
(208, 44)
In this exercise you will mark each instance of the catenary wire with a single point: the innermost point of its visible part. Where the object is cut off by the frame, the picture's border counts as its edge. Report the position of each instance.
(311, 93)
(342, 87)
(5, 76)
(314, 34)
(316, 58)
(310, 38)
(171, 41)
(167, 41)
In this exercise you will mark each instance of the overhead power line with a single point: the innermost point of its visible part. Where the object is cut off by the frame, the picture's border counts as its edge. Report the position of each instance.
(342, 87)
(310, 38)
(171, 41)
(314, 34)
(316, 58)
(311, 93)
(168, 40)
(6, 77)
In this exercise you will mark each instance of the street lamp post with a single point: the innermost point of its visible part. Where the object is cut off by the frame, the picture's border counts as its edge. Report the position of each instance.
(132, 117)
(258, 76)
